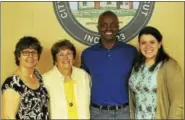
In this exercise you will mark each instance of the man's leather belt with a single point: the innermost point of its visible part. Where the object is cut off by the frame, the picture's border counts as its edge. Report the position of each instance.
(109, 107)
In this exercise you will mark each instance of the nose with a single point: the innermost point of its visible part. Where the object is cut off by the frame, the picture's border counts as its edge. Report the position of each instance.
(148, 45)
(108, 27)
(65, 57)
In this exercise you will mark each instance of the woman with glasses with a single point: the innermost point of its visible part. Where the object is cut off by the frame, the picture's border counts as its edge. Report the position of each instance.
(23, 93)
(68, 86)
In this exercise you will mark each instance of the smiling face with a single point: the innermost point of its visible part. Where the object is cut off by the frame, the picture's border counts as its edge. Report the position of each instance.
(149, 47)
(28, 58)
(108, 27)
(65, 59)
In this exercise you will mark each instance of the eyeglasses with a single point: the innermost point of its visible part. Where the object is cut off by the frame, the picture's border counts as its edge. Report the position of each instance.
(68, 54)
(27, 53)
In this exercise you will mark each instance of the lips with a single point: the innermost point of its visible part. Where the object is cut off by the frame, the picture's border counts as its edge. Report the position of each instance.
(30, 61)
(65, 62)
(148, 51)
(108, 33)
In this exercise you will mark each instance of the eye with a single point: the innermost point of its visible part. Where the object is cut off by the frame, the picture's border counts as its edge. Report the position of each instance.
(34, 52)
(102, 26)
(142, 43)
(60, 54)
(25, 52)
(114, 24)
(152, 42)
(69, 53)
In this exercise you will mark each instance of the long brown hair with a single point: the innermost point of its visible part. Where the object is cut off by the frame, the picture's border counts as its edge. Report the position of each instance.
(162, 56)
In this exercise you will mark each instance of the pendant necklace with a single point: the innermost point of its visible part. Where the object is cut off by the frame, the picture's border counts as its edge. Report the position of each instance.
(70, 104)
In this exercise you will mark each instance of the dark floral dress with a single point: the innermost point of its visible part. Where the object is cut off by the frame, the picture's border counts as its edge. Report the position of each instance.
(34, 103)
(144, 85)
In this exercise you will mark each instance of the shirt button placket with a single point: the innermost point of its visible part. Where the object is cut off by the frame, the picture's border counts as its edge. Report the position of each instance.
(109, 54)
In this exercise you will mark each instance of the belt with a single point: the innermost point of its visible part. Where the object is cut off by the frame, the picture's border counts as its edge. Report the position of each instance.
(109, 107)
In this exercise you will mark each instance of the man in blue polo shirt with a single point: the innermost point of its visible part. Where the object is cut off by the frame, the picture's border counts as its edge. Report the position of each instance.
(109, 63)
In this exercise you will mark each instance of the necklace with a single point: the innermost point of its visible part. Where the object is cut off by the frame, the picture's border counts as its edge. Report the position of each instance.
(69, 93)
(70, 104)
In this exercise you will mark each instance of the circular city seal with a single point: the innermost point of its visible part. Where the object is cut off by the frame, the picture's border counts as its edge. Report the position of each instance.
(80, 19)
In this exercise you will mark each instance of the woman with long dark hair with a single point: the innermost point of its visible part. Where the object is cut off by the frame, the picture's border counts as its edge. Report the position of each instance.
(156, 82)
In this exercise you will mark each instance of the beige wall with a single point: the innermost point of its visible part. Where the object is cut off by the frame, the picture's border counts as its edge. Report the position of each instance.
(38, 19)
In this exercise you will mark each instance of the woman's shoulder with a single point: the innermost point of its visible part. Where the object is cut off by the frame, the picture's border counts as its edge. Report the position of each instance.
(12, 82)
(171, 63)
(171, 66)
(78, 70)
(49, 75)
(50, 72)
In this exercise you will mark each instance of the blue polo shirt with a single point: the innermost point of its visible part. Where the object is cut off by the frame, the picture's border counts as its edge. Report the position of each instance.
(109, 70)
